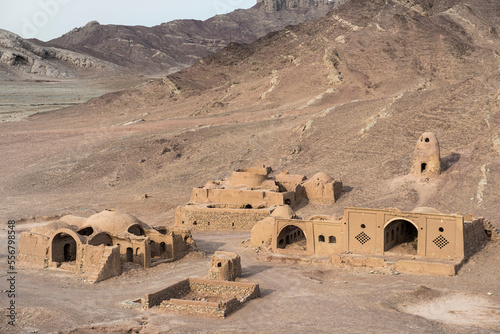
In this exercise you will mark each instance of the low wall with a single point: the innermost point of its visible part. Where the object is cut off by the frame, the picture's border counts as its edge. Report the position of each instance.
(230, 295)
(195, 307)
(244, 291)
(174, 291)
(198, 217)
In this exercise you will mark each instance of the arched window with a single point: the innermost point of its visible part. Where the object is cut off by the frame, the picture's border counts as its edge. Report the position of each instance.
(332, 239)
(321, 238)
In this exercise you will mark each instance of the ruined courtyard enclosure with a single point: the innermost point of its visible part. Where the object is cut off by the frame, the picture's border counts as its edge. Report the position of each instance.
(203, 297)
(97, 246)
(251, 195)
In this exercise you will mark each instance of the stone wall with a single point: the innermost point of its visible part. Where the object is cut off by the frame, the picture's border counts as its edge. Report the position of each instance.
(198, 217)
(177, 290)
(195, 307)
(243, 291)
(230, 295)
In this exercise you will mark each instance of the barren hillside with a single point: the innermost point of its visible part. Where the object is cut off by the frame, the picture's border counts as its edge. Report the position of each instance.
(174, 45)
(348, 93)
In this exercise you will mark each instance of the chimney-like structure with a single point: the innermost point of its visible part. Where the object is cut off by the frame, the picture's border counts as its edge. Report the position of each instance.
(426, 158)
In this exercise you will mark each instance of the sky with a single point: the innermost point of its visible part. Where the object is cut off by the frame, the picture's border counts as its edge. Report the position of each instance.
(48, 19)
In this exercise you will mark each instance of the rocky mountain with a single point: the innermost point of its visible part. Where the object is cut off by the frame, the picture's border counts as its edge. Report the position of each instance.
(162, 49)
(348, 93)
(24, 58)
(172, 46)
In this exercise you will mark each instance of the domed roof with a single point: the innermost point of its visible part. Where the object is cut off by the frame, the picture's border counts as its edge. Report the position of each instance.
(283, 211)
(74, 220)
(113, 221)
(321, 177)
(50, 228)
(426, 209)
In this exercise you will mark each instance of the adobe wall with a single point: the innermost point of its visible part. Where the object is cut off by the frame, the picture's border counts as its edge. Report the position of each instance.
(439, 236)
(289, 182)
(247, 178)
(322, 193)
(474, 236)
(255, 198)
(33, 249)
(141, 252)
(198, 217)
(322, 237)
(101, 262)
(183, 242)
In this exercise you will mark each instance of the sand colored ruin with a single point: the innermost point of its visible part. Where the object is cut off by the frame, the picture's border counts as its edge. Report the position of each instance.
(427, 158)
(225, 266)
(216, 296)
(426, 240)
(205, 297)
(251, 195)
(97, 246)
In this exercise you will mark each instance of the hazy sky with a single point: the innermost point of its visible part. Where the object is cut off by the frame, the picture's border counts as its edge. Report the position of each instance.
(47, 19)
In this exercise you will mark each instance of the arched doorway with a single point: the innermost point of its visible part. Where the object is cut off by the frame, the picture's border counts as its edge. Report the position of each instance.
(130, 254)
(401, 236)
(293, 238)
(163, 250)
(63, 248)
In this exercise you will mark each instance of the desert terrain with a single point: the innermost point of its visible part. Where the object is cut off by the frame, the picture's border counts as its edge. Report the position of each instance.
(348, 93)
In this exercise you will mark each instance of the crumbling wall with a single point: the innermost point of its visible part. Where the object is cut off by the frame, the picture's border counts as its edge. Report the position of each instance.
(195, 307)
(182, 243)
(101, 262)
(243, 291)
(474, 236)
(33, 249)
(255, 198)
(177, 290)
(491, 231)
(322, 193)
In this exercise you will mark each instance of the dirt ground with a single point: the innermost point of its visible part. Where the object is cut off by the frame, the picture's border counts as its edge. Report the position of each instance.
(296, 298)
(346, 97)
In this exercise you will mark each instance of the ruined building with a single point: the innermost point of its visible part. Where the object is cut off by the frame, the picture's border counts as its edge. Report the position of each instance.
(250, 195)
(217, 296)
(426, 240)
(98, 245)
(427, 158)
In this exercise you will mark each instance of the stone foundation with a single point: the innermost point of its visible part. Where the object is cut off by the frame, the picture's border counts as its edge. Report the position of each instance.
(203, 297)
